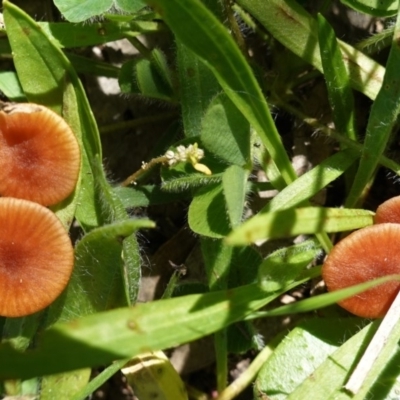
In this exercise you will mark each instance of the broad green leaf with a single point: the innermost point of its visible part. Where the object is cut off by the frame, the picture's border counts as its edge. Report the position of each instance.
(225, 132)
(207, 212)
(307, 185)
(67, 35)
(35, 55)
(104, 337)
(304, 349)
(234, 187)
(329, 378)
(377, 8)
(146, 195)
(283, 266)
(97, 279)
(198, 87)
(292, 222)
(294, 27)
(78, 11)
(64, 386)
(337, 80)
(382, 119)
(198, 29)
(10, 86)
(131, 6)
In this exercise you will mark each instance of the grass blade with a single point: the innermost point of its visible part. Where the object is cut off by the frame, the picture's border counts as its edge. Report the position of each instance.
(294, 27)
(383, 116)
(293, 222)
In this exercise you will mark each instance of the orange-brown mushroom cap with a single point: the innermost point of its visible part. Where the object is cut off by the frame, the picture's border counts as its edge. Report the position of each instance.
(364, 255)
(36, 257)
(39, 154)
(388, 211)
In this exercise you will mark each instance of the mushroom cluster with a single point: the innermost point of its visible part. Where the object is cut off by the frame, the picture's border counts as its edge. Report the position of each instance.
(39, 166)
(364, 255)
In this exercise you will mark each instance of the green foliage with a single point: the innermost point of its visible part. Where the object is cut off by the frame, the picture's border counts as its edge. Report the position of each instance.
(384, 112)
(220, 94)
(225, 133)
(11, 87)
(78, 11)
(283, 266)
(377, 8)
(292, 222)
(337, 80)
(149, 76)
(98, 274)
(319, 361)
(302, 351)
(301, 37)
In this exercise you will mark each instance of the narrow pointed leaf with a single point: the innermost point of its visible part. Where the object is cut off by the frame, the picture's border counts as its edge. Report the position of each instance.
(383, 116)
(123, 333)
(294, 222)
(309, 184)
(337, 80)
(295, 28)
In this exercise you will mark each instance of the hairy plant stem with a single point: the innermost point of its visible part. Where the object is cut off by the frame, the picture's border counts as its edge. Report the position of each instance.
(145, 167)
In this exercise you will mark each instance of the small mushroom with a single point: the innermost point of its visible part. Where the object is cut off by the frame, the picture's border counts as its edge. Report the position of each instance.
(36, 257)
(364, 255)
(388, 211)
(39, 154)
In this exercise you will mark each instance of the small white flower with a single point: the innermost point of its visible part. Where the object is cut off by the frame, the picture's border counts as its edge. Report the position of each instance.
(184, 154)
(194, 154)
(172, 158)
